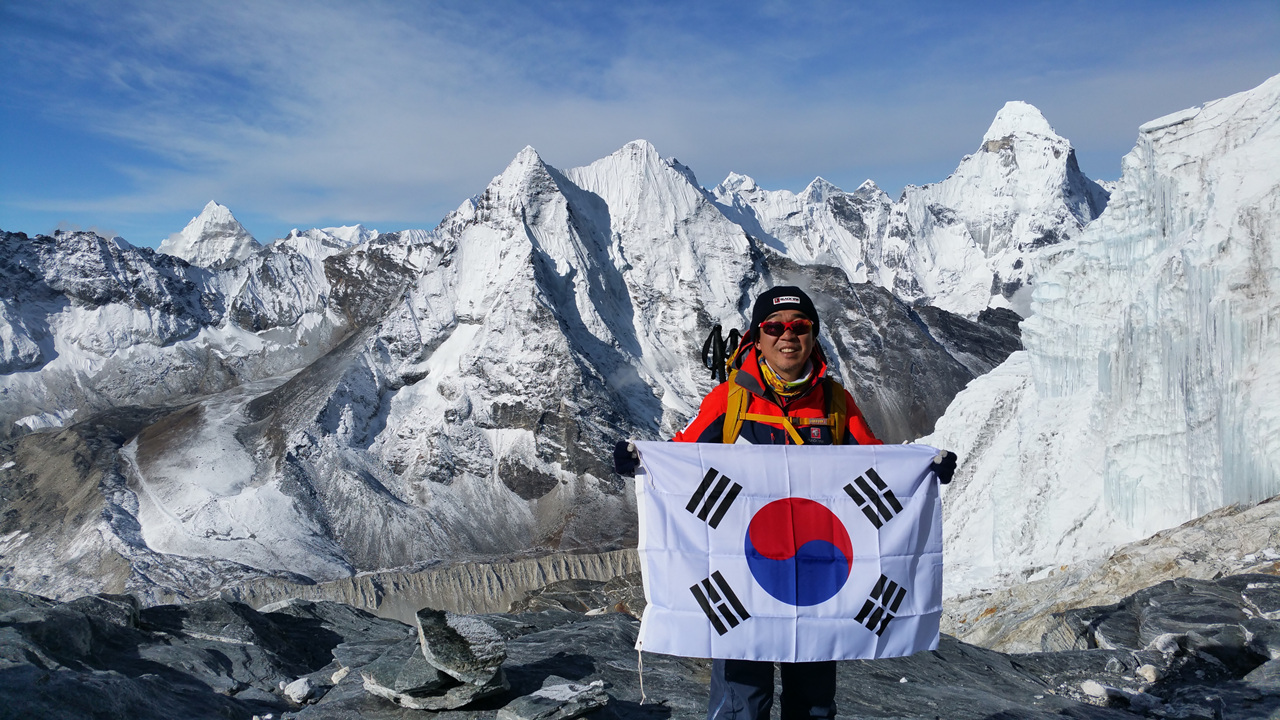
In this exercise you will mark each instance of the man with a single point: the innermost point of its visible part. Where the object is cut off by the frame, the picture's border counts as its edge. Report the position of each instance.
(778, 395)
(783, 371)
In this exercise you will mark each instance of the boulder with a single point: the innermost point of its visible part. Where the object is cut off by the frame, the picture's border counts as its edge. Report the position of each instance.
(1209, 617)
(301, 690)
(463, 646)
(1266, 676)
(403, 670)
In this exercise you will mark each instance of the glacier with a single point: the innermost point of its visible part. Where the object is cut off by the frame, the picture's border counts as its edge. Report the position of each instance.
(1147, 393)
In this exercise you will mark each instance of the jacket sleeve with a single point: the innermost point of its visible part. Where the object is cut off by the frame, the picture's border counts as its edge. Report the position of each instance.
(858, 429)
(708, 425)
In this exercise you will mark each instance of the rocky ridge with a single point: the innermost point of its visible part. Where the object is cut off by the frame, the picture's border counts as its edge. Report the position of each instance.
(1181, 649)
(474, 587)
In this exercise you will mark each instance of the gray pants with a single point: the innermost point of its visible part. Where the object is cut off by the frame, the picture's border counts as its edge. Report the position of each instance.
(743, 690)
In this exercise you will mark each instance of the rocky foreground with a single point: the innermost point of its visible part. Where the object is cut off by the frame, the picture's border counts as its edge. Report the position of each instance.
(1181, 649)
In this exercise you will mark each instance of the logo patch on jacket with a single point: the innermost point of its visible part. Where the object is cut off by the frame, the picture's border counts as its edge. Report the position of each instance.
(815, 433)
(783, 299)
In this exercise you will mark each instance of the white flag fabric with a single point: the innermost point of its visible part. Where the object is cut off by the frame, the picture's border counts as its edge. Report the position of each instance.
(789, 553)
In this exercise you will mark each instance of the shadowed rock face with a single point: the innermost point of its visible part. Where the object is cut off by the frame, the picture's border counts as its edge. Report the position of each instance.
(1172, 653)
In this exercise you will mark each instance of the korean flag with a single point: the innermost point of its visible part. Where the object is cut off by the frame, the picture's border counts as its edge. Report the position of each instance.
(789, 553)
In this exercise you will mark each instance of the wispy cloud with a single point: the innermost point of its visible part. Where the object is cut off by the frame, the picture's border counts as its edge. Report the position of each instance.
(305, 113)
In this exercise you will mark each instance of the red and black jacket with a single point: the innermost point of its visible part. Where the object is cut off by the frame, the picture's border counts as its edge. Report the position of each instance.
(708, 426)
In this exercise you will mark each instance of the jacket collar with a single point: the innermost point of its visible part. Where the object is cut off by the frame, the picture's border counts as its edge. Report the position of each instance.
(749, 374)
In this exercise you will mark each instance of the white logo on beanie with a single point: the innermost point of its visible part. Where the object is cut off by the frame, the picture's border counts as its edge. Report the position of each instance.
(785, 299)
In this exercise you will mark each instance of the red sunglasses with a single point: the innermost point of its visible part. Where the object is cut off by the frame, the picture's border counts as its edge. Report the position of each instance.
(800, 326)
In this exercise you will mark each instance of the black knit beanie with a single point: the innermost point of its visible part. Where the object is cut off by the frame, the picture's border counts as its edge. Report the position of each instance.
(783, 297)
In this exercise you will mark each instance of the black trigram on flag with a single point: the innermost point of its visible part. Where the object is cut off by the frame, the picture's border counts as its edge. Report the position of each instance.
(877, 611)
(878, 503)
(718, 600)
(712, 511)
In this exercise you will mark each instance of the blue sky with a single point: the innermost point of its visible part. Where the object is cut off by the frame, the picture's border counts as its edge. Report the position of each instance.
(127, 117)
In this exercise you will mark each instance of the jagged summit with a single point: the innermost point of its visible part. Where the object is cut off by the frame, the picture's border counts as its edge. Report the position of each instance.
(869, 189)
(324, 242)
(351, 234)
(212, 239)
(819, 189)
(735, 182)
(962, 244)
(1018, 117)
(1021, 192)
(526, 168)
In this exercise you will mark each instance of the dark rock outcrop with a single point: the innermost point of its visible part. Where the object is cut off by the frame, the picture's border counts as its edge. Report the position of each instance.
(1183, 649)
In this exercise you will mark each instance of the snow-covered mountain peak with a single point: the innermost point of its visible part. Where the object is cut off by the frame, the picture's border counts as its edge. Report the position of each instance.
(212, 239)
(819, 190)
(1022, 191)
(871, 191)
(1017, 117)
(735, 182)
(520, 166)
(351, 234)
(215, 212)
(322, 243)
(640, 187)
(525, 177)
(639, 146)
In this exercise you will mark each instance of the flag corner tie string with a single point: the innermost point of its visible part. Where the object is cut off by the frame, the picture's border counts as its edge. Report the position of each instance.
(640, 672)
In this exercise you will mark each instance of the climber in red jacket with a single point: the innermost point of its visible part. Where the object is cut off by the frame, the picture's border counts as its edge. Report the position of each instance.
(780, 393)
(777, 394)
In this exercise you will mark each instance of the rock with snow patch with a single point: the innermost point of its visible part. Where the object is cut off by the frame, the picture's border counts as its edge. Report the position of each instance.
(558, 699)
(403, 676)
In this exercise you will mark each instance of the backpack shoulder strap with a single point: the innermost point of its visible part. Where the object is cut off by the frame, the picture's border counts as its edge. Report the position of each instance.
(837, 409)
(735, 407)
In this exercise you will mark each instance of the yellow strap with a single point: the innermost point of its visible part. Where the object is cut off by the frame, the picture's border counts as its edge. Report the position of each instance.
(776, 420)
(739, 398)
(806, 422)
(837, 410)
(735, 404)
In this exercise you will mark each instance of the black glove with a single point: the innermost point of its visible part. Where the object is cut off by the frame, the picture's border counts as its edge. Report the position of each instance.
(944, 465)
(625, 458)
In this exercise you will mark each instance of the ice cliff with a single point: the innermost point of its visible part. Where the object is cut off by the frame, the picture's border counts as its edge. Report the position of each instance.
(1148, 393)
